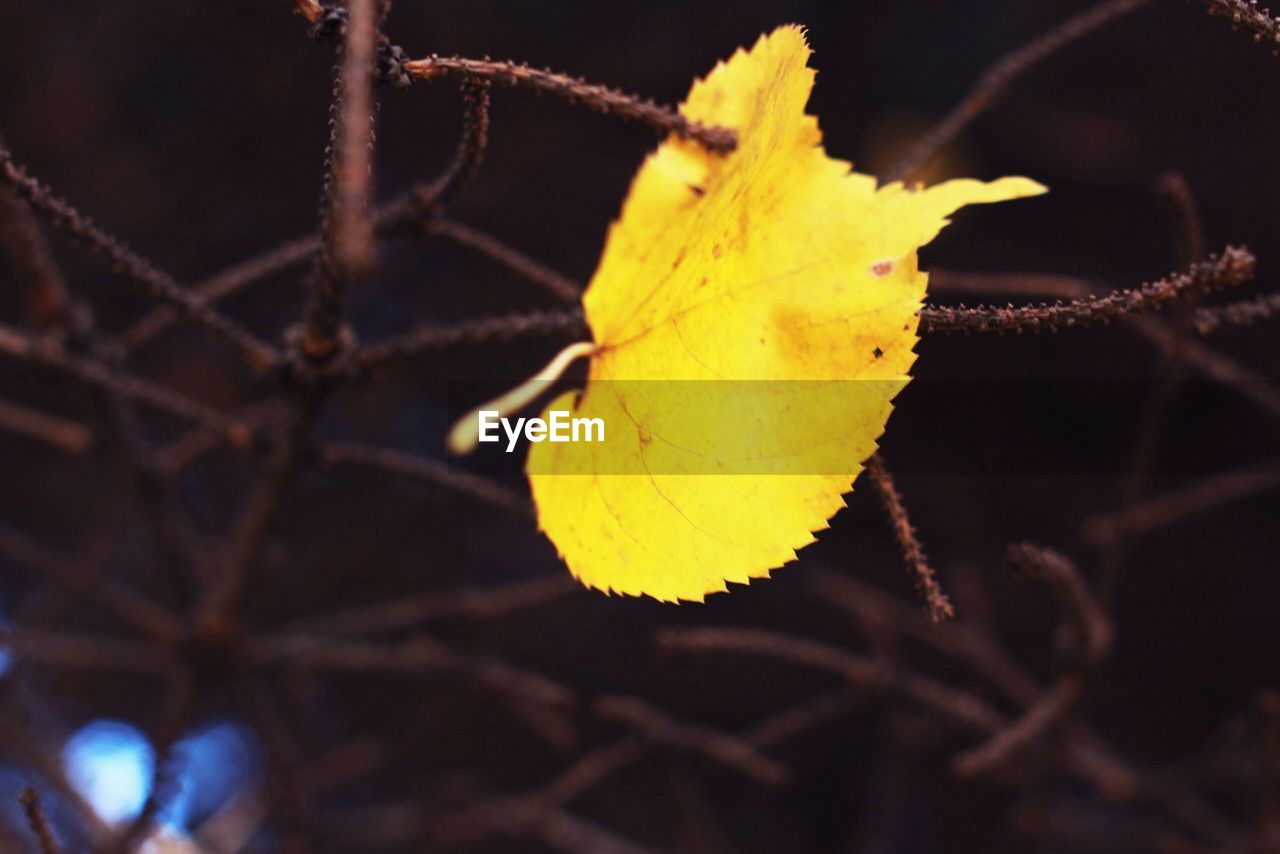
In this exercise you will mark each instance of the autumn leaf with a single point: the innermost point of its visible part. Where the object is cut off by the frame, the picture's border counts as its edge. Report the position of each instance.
(777, 266)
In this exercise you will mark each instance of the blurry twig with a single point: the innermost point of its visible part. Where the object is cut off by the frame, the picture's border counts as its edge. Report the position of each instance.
(481, 489)
(64, 649)
(174, 715)
(131, 607)
(558, 285)
(40, 828)
(936, 602)
(1038, 285)
(1170, 507)
(352, 233)
(417, 655)
(508, 327)
(1160, 400)
(47, 353)
(1242, 313)
(412, 611)
(53, 430)
(1091, 638)
(997, 79)
(31, 262)
(122, 259)
(657, 725)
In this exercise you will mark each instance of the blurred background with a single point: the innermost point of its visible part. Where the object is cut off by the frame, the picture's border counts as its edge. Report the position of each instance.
(196, 132)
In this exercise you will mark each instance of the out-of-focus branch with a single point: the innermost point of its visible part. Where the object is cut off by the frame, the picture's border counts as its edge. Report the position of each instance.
(1090, 639)
(55, 431)
(558, 285)
(1242, 313)
(36, 820)
(412, 611)
(1175, 505)
(508, 327)
(121, 259)
(134, 609)
(481, 489)
(48, 353)
(997, 80)
(655, 724)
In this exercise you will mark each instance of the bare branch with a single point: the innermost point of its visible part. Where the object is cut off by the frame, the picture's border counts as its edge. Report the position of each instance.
(577, 91)
(508, 327)
(135, 268)
(1234, 267)
(558, 285)
(1242, 313)
(656, 725)
(937, 604)
(1247, 14)
(996, 81)
(351, 236)
(481, 489)
(49, 354)
(40, 828)
(55, 431)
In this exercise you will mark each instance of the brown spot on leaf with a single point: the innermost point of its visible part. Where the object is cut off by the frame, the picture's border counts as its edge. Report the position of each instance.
(877, 352)
(882, 268)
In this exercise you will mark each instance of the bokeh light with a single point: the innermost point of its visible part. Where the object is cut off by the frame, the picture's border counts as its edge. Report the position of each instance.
(110, 763)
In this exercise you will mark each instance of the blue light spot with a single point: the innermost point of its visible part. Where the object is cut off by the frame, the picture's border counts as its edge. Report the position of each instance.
(6, 657)
(210, 766)
(110, 763)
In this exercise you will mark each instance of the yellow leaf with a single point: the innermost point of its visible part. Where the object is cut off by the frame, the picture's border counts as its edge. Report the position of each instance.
(754, 316)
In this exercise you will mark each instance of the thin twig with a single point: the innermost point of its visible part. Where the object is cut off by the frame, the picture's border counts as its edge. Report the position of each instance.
(48, 353)
(577, 91)
(997, 80)
(37, 821)
(31, 262)
(481, 489)
(55, 431)
(1241, 313)
(1234, 267)
(1246, 13)
(508, 327)
(1091, 638)
(1169, 508)
(131, 607)
(352, 232)
(936, 602)
(471, 147)
(418, 655)
(558, 285)
(63, 649)
(174, 716)
(1210, 363)
(232, 280)
(121, 259)
(657, 725)
(249, 535)
(478, 605)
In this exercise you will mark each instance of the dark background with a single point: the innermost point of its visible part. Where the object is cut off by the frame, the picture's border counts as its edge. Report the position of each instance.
(196, 132)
